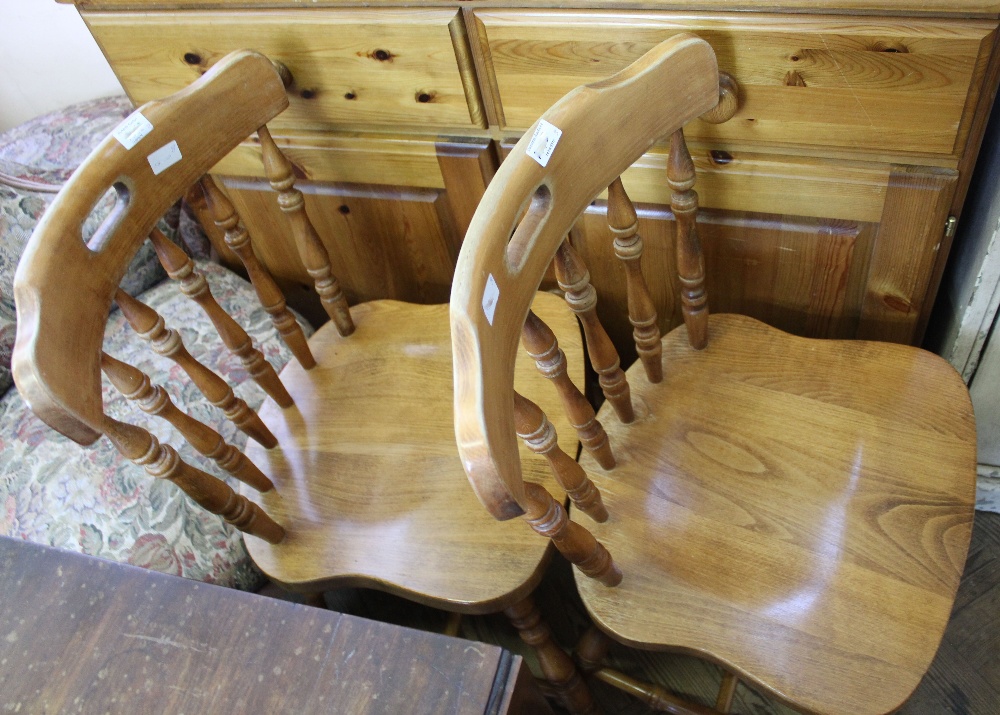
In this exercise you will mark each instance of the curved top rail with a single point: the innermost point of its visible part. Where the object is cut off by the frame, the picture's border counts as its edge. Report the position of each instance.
(64, 287)
(605, 127)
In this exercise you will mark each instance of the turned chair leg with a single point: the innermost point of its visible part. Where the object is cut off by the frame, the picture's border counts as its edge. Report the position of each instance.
(315, 600)
(557, 667)
(590, 653)
(727, 690)
(454, 625)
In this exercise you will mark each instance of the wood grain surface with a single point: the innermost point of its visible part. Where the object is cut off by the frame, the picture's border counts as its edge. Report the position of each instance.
(58, 351)
(962, 8)
(84, 635)
(352, 67)
(869, 85)
(798, 511)
(368, 482)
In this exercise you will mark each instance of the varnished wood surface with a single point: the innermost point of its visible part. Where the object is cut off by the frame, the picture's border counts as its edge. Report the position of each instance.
(397, 244)
(796, 510)
(84, 635)
(963, 679)
(836, 97)
(964, 8)
(367, 478)
(63, 287)
(902, 86)
(550, 199)
(354, 67)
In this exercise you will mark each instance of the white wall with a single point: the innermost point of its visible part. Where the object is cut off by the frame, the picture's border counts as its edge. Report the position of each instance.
(49, 60)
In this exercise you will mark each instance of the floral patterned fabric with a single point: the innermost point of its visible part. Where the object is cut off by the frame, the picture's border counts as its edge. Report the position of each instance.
(20, 211)
(36, 158)
(47, 149)
(91, 500)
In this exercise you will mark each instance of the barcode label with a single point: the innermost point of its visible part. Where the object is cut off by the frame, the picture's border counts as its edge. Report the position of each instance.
(164, 157)
(132, 129)
(490, 297)
(543, 141)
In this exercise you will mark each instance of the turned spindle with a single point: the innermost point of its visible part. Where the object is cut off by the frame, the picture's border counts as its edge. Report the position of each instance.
(591, 649)
(313, 253)
(547, 517)
(180, 268)
(162, 462)
(152, 399)
(557, 667)
(267, 290)
(540, 342)
(727, 692)
(540, 436)
(167, 342)
(624, 225)
(690, 261)
(574, 279)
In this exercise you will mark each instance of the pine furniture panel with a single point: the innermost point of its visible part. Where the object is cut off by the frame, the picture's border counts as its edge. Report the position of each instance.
(856, 84)
(349, 67)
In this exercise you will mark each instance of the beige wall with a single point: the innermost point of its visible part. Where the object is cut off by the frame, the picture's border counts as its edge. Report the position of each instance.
(49, 60)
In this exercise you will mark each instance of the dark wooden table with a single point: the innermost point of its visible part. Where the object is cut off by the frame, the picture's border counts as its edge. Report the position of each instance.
(79, 634)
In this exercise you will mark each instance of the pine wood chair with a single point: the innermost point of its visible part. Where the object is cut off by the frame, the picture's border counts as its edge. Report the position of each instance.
(352, 477)
(797, 511)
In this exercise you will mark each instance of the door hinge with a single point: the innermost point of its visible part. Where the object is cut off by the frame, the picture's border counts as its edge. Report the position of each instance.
(949, 227)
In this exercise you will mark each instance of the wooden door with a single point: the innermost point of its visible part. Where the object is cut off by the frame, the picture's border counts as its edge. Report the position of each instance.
(847, 258)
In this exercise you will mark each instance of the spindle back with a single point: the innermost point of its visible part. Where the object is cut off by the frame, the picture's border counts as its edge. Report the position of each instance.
(64, 287)
(576, 150)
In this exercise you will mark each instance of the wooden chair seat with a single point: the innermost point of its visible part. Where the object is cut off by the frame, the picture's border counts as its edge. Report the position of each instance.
(768, 508)
(368, 483)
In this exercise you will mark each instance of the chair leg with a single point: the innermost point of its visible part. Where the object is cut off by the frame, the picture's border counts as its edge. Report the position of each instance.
(557, 667)
(590, 652)
(454, 625)
(724, 702)
(315, 600)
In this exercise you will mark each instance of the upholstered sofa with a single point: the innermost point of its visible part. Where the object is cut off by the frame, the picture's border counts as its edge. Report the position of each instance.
(90, 499)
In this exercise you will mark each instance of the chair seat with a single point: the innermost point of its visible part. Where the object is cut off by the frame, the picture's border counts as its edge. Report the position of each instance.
(369, 485)
(797, 510)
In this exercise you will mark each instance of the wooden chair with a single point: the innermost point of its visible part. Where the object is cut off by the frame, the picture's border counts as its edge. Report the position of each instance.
(797, 511)
(351, 477)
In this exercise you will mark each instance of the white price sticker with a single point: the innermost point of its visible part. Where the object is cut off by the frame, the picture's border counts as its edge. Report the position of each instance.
(164, 157)
(543, 141)
(490, 297)
(132, 129)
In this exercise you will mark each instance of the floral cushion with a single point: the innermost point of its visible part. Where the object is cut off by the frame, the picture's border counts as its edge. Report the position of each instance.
(20, 211)
(91, 500)
(36, 158)
(47, 149)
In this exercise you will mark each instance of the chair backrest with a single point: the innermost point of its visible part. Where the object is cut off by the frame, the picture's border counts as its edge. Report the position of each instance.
(577, 149)
(64, 287)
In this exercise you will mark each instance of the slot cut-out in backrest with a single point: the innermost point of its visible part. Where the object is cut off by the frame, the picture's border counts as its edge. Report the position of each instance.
(528, 228)
(109, 224)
